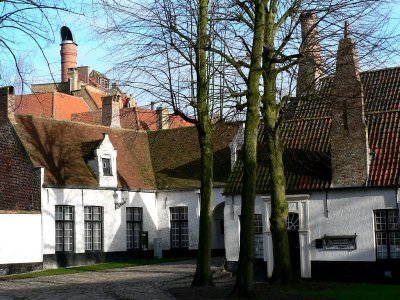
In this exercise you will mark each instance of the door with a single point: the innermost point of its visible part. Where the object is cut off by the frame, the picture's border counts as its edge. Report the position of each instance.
(294, 242)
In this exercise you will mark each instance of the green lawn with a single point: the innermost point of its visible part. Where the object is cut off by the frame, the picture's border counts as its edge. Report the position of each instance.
(350, 291)
(91, 268)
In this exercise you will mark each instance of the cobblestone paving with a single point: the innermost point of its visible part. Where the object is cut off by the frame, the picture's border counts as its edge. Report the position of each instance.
(141, 283)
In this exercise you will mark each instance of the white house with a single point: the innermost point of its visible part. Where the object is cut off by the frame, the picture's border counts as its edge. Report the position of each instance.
(74, 193)
(342, 170)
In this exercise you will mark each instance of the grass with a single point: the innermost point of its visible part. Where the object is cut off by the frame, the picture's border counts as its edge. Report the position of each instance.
(329, 291)
(91, 268)
(363, 291)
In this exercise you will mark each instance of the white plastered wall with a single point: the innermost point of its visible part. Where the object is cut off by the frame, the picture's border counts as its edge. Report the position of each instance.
(189, 198)
(20, 238)
(114, 224)
(335, 213)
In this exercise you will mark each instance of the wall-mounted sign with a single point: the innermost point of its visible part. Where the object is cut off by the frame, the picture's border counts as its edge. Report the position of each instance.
(340, 242)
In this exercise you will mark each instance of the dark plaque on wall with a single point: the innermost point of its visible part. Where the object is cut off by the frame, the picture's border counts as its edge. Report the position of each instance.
(340, 242)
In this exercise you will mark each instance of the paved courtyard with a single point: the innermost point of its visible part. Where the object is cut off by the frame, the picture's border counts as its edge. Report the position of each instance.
(142, 283)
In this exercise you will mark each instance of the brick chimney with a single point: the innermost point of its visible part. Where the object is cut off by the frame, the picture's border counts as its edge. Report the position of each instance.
(73, 77)
(7, 104)
(69, 53)
(110, 111)
(310, 65)
(162, 118)
(349, 136)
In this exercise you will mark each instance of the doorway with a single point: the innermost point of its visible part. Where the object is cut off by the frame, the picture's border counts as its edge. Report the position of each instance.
(294, 241)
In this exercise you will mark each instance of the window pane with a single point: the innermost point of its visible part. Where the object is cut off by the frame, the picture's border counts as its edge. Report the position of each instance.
(258, 226)
(96, 213)
(258, 246)
(137, 228)
(175, 233)
(129, 235)
(184, 213)
(174, 213)
(394, 240)
(68, 236)
(129, 213)
(59, 236)
(184, 235)
(88, 236)
(88, 213)
(393, 219)
(97, 236)
(381, 245)
(59, 213)
(380, 220)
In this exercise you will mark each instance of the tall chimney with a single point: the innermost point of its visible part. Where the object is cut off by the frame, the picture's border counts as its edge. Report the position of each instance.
(162, 118)
(110, 111)
(69, 52)
(7, 104)
(74, 79)
(349, 136)
(310, 65)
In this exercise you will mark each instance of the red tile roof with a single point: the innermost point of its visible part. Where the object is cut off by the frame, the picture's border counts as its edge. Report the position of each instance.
(35, 104)
(58, 146)
(305, 135)
(96, 96)
(52, 105)
(137, 118)
(65, 105)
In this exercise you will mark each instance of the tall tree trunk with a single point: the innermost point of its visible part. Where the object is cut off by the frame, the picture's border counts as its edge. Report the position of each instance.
(203, 275)
(279, 208)
(244, 278)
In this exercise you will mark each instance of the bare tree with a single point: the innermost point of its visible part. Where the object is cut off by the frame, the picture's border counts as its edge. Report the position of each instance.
(25, 20)
(170, 63)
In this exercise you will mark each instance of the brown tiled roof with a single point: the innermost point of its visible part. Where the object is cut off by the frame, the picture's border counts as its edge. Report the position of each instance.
(58, 146)
(176, 156)
(52, 105)
(137, 118)
(307, 143)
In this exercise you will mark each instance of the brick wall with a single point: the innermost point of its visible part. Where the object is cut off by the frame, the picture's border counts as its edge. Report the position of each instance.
(19, 179)
(349, 148)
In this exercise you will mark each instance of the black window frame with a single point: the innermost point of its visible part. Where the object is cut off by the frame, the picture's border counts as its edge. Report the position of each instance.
(258, 235)
(63, 221)
(387, 231)
(106, 164)
(92, 222)
(182, 211)
(131, 222)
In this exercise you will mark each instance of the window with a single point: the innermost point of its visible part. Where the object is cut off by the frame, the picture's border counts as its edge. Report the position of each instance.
(134, 224)
(64, 228)
(387, 234)
(258, 237)
(179, 227)
(106, 166)
(93, 228)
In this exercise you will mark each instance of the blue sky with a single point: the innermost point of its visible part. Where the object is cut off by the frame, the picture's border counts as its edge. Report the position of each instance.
(91, 50)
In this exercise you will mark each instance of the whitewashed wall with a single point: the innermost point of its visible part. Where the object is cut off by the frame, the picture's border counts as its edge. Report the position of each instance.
(20, 238)
(114, 219)
(189, 198)
(335, 213)
(348, 212)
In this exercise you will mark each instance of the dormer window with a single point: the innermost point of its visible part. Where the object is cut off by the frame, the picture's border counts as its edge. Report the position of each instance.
(106, 166)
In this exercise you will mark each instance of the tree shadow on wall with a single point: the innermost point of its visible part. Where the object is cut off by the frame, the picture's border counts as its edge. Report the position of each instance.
(57, 147)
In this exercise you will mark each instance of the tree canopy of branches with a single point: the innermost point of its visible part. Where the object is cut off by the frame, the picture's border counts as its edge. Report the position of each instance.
(254, 49)
(23, 21)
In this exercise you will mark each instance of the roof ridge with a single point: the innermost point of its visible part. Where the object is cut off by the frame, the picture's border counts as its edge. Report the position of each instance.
(376, 112)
